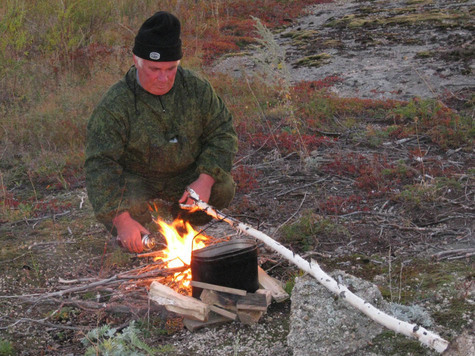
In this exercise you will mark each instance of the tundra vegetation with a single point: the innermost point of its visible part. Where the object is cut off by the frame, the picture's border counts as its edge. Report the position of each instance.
(378, 188)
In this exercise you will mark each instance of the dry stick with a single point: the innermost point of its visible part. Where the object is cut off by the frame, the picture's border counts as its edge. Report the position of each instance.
(467, 255)
(457, 252)
(426, 337)
(42, 322)
(111, 307)
(118, 278)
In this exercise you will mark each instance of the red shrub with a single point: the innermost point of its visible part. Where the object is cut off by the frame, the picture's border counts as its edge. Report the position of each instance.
(343, 205)
(245, 178)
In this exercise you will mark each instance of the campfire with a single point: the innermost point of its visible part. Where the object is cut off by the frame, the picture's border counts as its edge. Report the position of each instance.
(181, 240)
(223, 275)
(230, 303)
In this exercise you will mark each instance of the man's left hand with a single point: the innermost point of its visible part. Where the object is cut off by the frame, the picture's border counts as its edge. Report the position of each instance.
(202, 186)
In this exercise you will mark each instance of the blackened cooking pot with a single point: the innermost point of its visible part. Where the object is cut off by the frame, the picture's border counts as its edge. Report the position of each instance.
(230, 264)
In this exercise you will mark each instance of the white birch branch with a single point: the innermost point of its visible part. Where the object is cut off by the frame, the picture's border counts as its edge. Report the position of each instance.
(426, 337)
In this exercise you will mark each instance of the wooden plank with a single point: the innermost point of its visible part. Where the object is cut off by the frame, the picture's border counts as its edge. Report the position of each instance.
(272, 285)
(186, 312)
(223, 312)
(252, 301)
(249, 317)
(223, 300)
(213, 320)
(218, 288)
(178, 303)
(267, 293)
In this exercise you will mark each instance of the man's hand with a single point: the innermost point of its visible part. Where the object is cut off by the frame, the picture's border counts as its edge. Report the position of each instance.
(129, 232)
(202, 186)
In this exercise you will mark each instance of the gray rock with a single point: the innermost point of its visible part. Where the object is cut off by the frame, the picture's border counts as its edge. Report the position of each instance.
(320, 324)
(463, 345)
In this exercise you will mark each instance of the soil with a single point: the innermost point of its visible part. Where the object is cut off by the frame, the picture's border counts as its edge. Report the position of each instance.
(416, 244)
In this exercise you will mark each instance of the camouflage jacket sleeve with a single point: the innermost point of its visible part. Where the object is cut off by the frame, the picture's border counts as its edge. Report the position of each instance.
(105, 143)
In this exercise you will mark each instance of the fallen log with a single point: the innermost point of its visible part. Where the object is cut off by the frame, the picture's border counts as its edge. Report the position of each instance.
(425, 336)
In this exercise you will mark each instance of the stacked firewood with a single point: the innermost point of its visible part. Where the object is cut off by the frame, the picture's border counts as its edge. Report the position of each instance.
(220, 304)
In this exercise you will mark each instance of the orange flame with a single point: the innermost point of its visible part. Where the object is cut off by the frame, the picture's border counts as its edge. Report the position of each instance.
(182, 239)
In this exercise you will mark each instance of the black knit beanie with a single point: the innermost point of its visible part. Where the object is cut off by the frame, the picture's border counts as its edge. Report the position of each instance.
(158, 39)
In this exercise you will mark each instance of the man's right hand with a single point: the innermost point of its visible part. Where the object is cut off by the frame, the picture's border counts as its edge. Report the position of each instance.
(129, 232)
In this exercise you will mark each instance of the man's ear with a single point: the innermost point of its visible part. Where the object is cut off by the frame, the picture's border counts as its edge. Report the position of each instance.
(137, 61)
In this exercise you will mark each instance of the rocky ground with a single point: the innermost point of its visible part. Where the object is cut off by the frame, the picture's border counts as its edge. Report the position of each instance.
(396, 50)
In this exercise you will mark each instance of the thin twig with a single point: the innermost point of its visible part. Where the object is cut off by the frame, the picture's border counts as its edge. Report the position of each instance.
(467, 255)
(54, 216)
(292, 216)
(454, 254)
(16, 258)
(44, 323)
(300, 187)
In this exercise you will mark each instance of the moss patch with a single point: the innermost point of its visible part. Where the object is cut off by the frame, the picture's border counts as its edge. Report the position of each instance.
(404, 16)
(315, 60)
(390, 343)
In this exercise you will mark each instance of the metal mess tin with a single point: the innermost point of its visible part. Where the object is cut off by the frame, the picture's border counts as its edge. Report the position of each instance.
(230, 264)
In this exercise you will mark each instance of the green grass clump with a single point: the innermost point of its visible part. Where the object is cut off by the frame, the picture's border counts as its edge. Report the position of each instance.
(457, 315)
(118, 258)
(6, 348)
(391, 343)
(290, 283)
(309, 228)
(417, 195)
(433, 118)
(316, 60)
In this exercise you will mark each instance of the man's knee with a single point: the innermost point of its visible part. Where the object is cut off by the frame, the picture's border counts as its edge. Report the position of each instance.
(223, 192)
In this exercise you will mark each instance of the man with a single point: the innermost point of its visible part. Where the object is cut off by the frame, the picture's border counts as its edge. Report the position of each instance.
(155, 132)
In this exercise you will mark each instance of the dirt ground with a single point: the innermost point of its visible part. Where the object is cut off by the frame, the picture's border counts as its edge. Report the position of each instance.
(414, 238)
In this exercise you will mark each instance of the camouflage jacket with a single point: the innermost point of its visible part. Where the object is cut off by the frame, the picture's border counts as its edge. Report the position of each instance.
(159, 137)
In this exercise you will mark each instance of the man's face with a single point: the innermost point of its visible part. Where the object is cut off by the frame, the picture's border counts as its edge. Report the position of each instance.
(156, 77)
